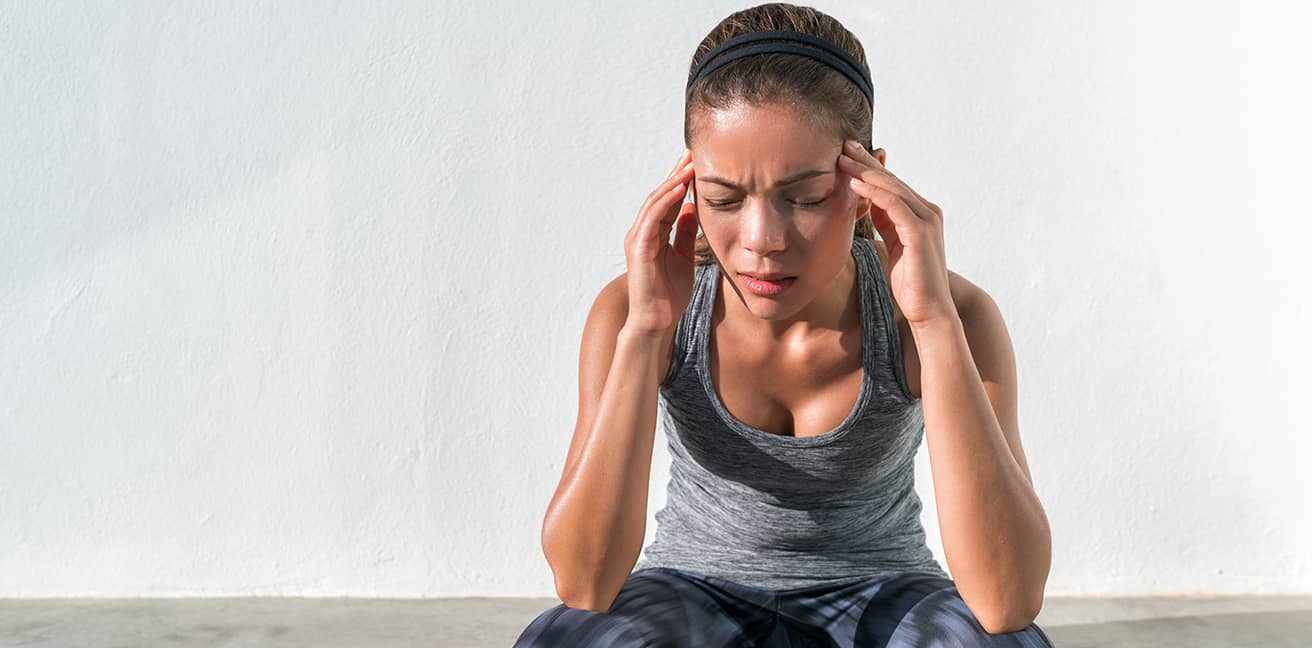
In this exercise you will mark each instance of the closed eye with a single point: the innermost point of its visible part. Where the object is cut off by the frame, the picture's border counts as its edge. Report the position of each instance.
(726, 203)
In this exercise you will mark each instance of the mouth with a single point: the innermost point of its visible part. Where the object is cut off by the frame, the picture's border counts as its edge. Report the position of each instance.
(766, 287)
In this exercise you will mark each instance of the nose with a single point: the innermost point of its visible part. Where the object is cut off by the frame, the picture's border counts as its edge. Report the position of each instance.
(765, 230)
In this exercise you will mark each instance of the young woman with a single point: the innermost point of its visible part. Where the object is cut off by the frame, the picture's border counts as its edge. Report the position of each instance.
(797, 362)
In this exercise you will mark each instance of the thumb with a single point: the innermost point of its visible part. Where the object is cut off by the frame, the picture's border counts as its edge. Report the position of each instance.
(685, 230)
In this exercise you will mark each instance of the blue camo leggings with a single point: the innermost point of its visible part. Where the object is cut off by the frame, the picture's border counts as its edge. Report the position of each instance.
(665, 607)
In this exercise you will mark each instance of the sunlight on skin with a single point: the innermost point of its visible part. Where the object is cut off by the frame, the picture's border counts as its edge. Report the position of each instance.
(760, 225)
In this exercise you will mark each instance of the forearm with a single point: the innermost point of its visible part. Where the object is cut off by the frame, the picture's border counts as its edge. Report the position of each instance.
(994, 530)
(594, 529)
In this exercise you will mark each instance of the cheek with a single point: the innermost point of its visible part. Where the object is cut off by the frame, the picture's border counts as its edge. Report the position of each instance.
(716, 231)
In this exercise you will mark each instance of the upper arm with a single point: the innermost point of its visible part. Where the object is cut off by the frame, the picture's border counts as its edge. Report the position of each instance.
(596, 350)
(991, 348)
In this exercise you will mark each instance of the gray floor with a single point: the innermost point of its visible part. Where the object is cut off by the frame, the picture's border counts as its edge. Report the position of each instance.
(1272, 622)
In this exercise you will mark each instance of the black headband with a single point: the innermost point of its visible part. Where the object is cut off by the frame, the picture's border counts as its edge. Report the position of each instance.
(829, 54)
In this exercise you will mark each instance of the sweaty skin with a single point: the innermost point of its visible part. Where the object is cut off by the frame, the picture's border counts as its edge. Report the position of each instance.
(791, 363)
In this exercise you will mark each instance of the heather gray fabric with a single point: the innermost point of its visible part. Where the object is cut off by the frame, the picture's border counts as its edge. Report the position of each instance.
(779, 512)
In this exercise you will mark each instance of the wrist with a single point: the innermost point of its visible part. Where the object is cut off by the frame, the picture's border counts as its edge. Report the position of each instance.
(641, 336)
(950, 324)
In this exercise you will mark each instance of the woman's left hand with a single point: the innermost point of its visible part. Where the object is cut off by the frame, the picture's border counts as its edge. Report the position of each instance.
(912, 229)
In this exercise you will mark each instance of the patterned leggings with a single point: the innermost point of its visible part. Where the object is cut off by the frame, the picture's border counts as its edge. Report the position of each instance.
(661, 606)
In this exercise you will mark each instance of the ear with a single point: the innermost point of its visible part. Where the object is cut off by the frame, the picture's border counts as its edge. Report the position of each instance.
(881, 155)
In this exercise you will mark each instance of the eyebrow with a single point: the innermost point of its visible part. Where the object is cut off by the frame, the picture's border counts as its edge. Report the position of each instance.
(796, 177)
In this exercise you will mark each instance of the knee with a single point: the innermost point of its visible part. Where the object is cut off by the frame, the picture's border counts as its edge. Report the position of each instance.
(566, 626)
(946, 616)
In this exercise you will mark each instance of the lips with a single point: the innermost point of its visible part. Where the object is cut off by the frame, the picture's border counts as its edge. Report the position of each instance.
(766, 287)
(767, 276)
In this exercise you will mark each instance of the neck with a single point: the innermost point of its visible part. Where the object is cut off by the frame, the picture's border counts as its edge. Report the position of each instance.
(823, 313)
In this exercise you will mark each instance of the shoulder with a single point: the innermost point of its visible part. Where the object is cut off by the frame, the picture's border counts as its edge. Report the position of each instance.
(981, 319)
(609, 311)
(985, 328)
(987, 336)
(610, 308)
(971, 300)
(615, 294)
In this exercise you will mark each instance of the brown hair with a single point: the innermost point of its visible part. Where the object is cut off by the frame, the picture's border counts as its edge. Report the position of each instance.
(828, 98)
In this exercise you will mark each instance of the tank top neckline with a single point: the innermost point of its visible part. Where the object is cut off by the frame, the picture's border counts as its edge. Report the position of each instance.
(868, 348)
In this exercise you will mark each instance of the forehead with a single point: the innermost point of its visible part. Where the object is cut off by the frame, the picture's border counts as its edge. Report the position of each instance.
(754, 146)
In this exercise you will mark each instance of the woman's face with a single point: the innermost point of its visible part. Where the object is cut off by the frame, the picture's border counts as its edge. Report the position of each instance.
(771, 199)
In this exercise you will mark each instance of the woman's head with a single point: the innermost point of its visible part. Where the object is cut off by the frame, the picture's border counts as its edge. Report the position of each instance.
(758, 121)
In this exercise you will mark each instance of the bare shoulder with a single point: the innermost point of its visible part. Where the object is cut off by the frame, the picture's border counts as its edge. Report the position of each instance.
(613, 299)
(609, 311)
(966, 295)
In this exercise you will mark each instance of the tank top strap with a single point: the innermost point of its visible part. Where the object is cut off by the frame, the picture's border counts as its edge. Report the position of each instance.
(867, 267)
(684, 332)
(880, 293)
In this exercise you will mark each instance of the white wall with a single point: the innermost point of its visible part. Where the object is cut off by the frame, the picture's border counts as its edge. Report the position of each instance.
(291, 292)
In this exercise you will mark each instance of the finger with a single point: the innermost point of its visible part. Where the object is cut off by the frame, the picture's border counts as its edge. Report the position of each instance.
(879, 177)
(683, 159)
(887, 230)
(685, 230)
(883, 225)
(896, 211)
(856, 151)
(680, 175)
(660, 215)
(931, 205)
(853, 151)
(667, 214)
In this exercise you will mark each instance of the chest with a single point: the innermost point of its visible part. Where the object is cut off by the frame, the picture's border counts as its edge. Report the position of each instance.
(802, 392)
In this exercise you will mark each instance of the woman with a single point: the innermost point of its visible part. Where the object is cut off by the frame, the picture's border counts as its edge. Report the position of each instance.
(797, 363)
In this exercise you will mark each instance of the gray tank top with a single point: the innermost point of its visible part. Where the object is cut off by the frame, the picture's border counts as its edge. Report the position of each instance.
(781, 512)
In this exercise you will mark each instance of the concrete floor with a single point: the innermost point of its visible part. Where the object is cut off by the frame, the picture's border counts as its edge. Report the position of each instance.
(1268, 622)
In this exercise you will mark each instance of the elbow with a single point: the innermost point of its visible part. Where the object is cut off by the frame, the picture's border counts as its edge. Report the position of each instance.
(582, 598)
(1013, 605)
(1015, 625)
(575, 592)
(582, 582)
(578, 592)
(1013, 619)
(591, 604)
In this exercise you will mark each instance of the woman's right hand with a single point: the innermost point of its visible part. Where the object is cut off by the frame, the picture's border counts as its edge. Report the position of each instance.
(660, 275)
